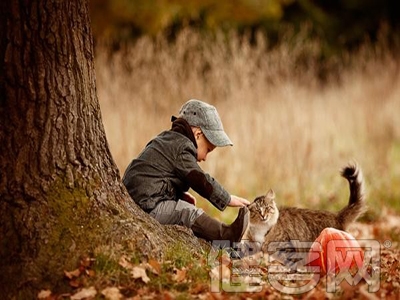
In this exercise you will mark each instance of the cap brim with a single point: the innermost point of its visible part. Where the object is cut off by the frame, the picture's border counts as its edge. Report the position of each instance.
(217, 137)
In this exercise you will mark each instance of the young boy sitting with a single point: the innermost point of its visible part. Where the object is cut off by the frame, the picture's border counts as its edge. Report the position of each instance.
(158, 180)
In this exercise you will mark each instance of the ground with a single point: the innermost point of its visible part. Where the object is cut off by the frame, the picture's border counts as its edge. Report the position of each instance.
(212, 275)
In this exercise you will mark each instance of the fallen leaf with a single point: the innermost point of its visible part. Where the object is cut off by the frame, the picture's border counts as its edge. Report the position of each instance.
(90, 273)
(74, 283)
(140, 272)
(112, 293)
(125, 263)
(43, 294)
(199, 288)
(155, 266)
(167, 295)
(72, 274)
(180, 275)
(84, 293)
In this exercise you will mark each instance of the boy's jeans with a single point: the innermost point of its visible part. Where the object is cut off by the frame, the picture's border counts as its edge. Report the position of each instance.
(176, 212)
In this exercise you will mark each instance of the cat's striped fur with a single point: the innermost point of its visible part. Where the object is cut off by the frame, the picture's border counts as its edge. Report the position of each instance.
(268, 223)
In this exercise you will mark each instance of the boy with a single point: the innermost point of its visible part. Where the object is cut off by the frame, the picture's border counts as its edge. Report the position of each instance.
(158, 180)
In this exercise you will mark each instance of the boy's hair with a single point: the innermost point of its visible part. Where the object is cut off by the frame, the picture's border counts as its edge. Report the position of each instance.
(200, 114)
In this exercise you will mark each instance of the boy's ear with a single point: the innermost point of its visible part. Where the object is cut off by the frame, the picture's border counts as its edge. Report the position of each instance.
(197, 132)
(270, 194)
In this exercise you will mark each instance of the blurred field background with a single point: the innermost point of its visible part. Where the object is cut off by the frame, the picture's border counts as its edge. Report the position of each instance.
(297, 107)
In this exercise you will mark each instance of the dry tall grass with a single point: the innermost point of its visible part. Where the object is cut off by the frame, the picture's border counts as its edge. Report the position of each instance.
(291, 133)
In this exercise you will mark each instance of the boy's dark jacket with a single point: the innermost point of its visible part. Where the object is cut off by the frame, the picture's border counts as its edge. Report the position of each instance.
(168, 167)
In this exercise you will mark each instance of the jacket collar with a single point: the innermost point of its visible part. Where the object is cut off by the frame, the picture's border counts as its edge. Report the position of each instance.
(182, 126)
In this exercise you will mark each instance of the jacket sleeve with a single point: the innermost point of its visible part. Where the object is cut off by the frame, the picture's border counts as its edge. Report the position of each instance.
(202, 183)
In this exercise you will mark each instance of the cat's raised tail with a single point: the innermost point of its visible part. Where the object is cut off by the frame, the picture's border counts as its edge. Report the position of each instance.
(356, 207)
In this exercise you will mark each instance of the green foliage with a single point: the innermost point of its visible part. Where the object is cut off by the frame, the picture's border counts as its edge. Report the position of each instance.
(338, 24)
(152, 17)
(108, 271)
(179, 256)
(180, 272)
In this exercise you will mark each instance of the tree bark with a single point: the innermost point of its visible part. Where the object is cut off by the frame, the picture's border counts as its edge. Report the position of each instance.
(60, 191)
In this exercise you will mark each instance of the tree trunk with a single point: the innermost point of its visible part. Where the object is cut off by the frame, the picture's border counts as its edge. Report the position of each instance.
(60, 191)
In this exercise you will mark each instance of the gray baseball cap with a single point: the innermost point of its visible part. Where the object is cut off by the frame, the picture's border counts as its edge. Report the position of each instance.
(200, 114)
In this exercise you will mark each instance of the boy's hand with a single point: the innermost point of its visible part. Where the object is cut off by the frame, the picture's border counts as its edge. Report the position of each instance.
(189, 198)
(238, 202)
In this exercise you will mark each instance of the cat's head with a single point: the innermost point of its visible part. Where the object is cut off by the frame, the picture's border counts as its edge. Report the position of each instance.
(263, 208)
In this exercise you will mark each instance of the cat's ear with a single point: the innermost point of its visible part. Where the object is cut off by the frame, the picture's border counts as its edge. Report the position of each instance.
(270, 194)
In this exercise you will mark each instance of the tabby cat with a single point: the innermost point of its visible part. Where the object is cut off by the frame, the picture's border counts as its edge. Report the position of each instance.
(270, 224)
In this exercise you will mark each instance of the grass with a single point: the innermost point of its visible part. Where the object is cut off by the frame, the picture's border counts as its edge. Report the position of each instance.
(291, 132)
(180, 273)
